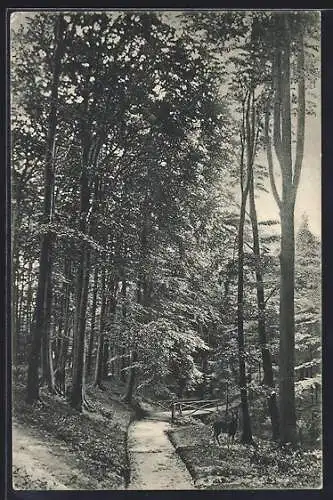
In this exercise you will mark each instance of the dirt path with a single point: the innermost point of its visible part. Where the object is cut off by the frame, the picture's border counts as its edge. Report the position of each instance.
(42, 466)
(154, 462)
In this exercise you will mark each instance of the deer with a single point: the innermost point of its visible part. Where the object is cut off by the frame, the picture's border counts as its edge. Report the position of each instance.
(174, 407)
(228, 427)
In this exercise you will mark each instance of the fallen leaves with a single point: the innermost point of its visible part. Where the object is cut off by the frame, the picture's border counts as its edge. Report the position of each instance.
(242, 467)
(98, 446)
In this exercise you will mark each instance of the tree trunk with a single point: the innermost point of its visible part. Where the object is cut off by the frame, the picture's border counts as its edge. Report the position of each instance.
(265, 352)
(93, 323)
(60, 371)
(105, 360)
(246, 432)
(282, 134)
(100, 349)
(248, 142)
(131, 378)
(47, 238)
(133, 355)
(287, 329)
(76, 397)
(29, 300)
(39, 326)
(15, 316)
(47, 360)
(123, 363)
(19, 325)
(16, 218)
(50, 374)
(142, 294)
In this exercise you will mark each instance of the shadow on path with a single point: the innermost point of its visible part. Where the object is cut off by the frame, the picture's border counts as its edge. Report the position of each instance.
(154, 462)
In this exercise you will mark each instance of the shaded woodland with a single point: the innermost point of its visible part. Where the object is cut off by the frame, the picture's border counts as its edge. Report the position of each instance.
(141, 145)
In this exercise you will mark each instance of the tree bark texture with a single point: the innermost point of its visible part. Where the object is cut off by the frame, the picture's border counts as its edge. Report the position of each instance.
(79, 329)
(248, 144)
(100, 349)
(282, 138)
(268, 378)
(93, 323)
(45, 270)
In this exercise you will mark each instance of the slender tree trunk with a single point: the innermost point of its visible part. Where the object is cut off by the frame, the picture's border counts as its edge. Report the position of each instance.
(248, 142)
(100, 349)
(131, 379)
(45, 365)
(142, 296)
(246, 432)
(123, 363)
(76, 398)
(60, 371)
(133, 357)
(16, 217)
(15, 315)
(19, 322)
(29, 300)
(90, 149)
(47, 239)
(265, 352)
(106, 359)
(50, 380)
(93, 323)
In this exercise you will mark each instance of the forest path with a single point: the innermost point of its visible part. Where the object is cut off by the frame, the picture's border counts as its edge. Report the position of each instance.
(154, 462)
(39, 464)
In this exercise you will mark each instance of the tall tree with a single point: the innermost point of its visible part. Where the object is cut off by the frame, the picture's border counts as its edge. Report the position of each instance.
(248, 151)
(288, 29)
(83, 272)
(268, 378)
(45, 262)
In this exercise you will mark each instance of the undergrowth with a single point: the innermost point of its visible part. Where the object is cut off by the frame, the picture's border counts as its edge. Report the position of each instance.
(98, 438)
(241, 466)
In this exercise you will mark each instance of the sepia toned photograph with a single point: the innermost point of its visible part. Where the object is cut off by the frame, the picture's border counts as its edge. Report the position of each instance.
(166, 249)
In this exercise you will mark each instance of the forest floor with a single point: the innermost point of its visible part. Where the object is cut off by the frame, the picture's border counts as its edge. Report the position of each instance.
(239, 466)
(55, 447)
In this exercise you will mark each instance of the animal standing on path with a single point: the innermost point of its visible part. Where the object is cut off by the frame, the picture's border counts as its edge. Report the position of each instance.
(174, 407)
(228, 427)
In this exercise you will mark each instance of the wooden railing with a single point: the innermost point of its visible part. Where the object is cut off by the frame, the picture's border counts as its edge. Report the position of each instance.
(210, 405)
(194, 405)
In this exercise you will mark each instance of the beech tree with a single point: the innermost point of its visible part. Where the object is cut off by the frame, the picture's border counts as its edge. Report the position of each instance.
(268, 377)
(288, 29)
(45, 262)
(158, 277)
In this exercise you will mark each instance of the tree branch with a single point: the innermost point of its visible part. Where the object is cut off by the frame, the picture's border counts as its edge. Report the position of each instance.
(271, 293)
(286, 166)
(276, 69)
(242, 139)
(270, 161)
(300, 116)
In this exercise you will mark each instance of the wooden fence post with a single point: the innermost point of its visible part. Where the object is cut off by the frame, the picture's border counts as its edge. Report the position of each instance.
(172, 412)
